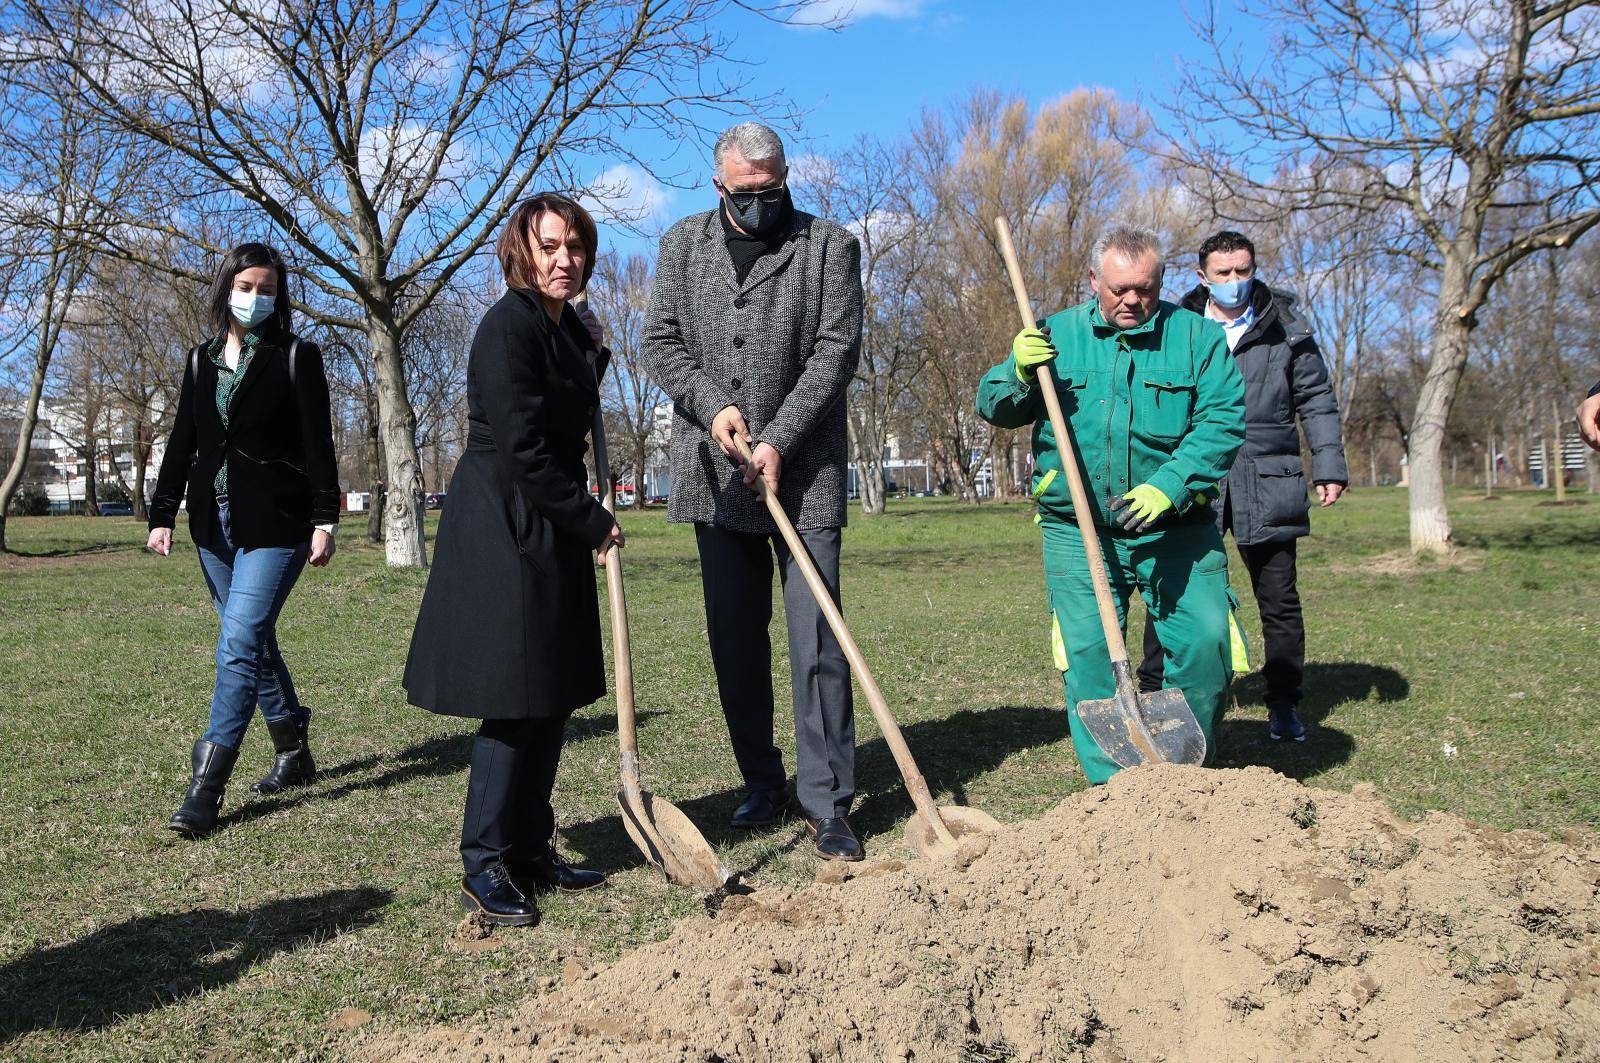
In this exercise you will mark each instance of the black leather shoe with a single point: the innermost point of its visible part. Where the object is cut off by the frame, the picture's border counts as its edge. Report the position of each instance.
(293, 765)
(835, 839)
(761, 809)
(212, 765)
(497, 898)
(550, 872)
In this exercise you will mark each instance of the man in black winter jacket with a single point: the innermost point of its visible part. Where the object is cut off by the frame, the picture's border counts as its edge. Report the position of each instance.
(1263, 502)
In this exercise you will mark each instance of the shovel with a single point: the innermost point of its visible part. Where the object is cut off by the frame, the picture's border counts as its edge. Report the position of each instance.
(1129, 727)
(663, 834)
(934, 829)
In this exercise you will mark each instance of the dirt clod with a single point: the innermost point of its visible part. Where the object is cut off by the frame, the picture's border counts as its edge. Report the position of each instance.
(1175, 913)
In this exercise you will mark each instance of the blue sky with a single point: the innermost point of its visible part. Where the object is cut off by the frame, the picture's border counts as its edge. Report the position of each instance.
(898, 56)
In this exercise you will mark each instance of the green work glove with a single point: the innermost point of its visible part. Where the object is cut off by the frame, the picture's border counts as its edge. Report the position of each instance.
(1030, 350)
(1141, 507)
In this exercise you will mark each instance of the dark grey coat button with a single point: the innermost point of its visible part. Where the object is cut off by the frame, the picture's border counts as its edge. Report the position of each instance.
(736, 383)
(738, 341)
(738, 304)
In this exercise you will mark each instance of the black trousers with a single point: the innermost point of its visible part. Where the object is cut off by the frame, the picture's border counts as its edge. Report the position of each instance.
(1283, 626)
(509, 817)
(736, 573)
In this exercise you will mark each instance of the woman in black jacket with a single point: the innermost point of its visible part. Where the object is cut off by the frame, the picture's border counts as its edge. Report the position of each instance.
(509, 631)
(252, 452)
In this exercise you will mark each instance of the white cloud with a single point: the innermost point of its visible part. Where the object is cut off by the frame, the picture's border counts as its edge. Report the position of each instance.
(627, 194)
(826, 12)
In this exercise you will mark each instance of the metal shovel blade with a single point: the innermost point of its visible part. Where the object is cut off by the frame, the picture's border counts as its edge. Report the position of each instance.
(1133, 728)
(670, 841)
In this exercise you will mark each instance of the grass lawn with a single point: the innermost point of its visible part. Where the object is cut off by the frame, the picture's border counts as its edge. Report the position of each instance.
(1468, 686)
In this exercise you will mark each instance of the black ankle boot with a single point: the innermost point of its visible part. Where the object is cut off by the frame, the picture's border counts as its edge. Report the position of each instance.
(497, 898)
(198, 813)
(293, 765)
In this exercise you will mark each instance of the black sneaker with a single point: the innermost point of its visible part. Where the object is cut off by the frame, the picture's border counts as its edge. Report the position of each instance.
(1283, 724)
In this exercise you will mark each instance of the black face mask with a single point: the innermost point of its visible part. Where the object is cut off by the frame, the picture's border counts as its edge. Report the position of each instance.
(758, 213)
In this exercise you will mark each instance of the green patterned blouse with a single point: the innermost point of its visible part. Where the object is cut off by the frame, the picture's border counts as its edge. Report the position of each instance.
(227, 383)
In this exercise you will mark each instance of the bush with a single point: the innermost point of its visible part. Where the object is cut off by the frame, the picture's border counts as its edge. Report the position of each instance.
(31, 502)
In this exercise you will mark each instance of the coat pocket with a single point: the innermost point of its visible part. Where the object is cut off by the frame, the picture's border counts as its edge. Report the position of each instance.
(1281, 490)
(528, 529)
(1069, 390)
(1164, 403)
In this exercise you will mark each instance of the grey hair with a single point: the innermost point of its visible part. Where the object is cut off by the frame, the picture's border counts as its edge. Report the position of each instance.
(755, 142)
(1131, 240)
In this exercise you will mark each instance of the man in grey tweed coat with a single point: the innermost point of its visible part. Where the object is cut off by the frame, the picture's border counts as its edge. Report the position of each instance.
(754, 329)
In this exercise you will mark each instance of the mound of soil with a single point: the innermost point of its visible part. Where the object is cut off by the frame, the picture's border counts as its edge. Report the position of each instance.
(1175, 914)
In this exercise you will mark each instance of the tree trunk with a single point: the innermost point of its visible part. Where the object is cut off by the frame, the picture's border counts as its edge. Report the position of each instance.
(1558, 462)
(30, 420)
(397, 428)
(141, 458)
(91, 481)
(374, 472)
(1488, 467)
(869, 463)
(641, 455)
(1430, 518)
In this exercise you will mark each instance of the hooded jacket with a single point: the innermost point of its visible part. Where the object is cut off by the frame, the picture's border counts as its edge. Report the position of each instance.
(1264, 498)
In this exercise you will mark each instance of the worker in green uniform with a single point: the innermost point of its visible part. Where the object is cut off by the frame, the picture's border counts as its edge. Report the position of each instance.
(1156, 407)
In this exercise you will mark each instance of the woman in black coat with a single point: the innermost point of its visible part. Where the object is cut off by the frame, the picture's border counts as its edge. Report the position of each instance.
(509, 631)
(251, 452)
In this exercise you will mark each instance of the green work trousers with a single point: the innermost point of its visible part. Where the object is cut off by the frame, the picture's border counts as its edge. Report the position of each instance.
(1183, 574)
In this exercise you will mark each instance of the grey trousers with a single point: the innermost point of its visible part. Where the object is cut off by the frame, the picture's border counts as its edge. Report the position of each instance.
(736, 572)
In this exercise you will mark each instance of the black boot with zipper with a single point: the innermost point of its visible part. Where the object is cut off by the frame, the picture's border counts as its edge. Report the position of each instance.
(293, 765)
(213, 764)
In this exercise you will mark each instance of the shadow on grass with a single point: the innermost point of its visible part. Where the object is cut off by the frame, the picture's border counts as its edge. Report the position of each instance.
(1328, 685)
(1542, 536)
(950, 752)
(84, 550)
(149, 961)
(440, 755)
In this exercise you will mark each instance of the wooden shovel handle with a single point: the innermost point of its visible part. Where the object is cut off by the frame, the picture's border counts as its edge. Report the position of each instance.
(1115, 643)
(915, 784)
(621, 644)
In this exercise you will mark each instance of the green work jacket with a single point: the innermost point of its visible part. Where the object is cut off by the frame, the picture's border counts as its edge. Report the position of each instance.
(1161, 403)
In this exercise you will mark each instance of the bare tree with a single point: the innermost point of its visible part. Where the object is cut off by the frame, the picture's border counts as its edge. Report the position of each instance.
(135, 322)
(1480, 119)
(386, 140)
(350, 379)
(56, 169)
(864, 189)
(1333, 259)
(1060, 176)
(621, 296)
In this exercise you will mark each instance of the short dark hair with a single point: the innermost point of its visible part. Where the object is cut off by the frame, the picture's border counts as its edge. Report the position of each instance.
(1226, 240)
(241, 258)
(514, 247)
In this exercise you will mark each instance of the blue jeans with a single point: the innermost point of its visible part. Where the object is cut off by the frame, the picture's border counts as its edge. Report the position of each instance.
(248, 588)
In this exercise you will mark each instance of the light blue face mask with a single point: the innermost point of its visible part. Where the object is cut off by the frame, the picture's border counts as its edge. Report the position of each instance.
(250, 309)
(1229, 294)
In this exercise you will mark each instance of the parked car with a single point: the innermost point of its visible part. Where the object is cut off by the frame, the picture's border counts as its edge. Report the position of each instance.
(116, 509)
(436, 500)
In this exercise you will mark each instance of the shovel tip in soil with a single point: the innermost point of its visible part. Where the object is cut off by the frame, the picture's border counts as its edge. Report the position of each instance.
(961, 821)
(671, 842)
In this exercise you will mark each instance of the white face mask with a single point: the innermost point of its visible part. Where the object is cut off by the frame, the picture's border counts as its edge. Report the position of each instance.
(251, 309)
